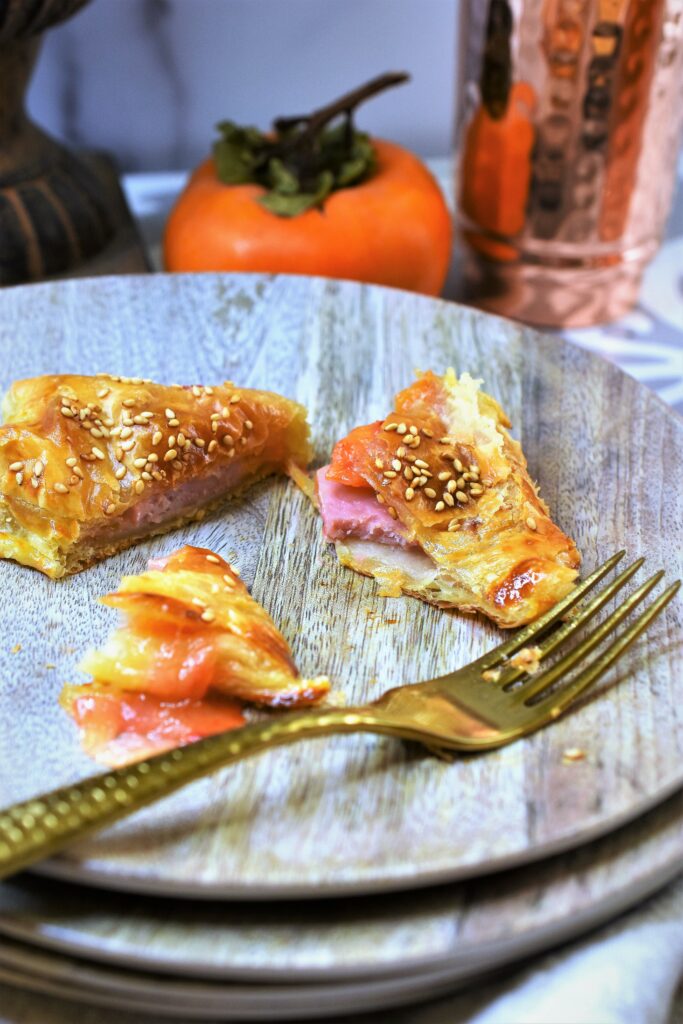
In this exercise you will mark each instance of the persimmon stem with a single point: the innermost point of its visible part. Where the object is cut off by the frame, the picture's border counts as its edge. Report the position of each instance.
(346, 104)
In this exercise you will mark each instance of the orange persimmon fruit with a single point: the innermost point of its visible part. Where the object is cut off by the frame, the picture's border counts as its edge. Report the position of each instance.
(389, 226)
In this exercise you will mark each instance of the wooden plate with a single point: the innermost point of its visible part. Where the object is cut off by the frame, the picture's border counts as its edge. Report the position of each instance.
(352, 814)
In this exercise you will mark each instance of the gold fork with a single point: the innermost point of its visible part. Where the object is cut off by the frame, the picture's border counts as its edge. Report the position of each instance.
(484, 705)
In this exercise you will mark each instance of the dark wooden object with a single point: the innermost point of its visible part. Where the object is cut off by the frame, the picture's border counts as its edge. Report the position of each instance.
(59, 211)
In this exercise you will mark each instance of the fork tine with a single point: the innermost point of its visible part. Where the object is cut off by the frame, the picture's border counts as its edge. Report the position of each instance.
(537, 628)
(560, 700)
(561, 667)
(586, 613)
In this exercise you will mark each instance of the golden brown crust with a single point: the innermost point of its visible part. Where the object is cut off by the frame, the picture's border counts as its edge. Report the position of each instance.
(460, 487)
(88, 465)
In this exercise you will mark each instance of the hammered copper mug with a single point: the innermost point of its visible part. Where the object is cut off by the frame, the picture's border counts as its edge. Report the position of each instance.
(570, 119)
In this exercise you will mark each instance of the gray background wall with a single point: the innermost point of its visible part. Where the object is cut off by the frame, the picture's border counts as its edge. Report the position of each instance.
(148, 79)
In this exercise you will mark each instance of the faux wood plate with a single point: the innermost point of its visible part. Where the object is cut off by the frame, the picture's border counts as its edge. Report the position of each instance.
(352, 814)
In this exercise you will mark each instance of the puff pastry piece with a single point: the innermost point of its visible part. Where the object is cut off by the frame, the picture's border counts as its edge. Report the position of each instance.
(89, 465)
(193, 640)
(436, 501)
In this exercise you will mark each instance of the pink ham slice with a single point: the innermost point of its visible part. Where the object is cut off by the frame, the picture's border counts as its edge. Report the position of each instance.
(355, 512)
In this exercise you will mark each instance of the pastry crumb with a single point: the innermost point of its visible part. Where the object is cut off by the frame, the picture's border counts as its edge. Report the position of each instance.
(528, 659)
(573, 754)
(15, 649)
(50, 664)
(491, 675)
(336, 699)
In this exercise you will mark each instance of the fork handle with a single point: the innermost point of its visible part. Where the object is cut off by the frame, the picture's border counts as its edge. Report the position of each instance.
(43, 825)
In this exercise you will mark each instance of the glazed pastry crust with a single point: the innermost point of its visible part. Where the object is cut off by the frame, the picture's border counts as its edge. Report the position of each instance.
(90, 465)
(494, 550)
(196, 593)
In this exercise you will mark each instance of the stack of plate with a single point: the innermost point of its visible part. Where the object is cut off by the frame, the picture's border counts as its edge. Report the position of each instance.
(356, 873)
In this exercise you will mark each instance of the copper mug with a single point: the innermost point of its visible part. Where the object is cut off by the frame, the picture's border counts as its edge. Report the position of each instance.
(570, 118)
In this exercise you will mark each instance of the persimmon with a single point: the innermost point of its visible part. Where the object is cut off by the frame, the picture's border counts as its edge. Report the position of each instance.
(310, 199)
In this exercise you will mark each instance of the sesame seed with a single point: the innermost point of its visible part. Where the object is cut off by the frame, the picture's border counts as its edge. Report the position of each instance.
(379, 463)
(140, 463)
(38, 468)
(78, 472)
(212, 446)
(380, 499)
(156, 437)
(14, 467)
(128, 445)
(410, 493)
(213, 558)
(208, 390)
(439, 506)
(234, 399)
(125, 433)
(96, 432)
(476, 489)
(461, 483)
(61, 488)
(103, 392)
(531, 522)
(462, 497)
(228, 441)
(157, 475)
(19, 478)
(140, 420)
(120, 472)
(170, 415)
(84, 414)
(248, 425)
(215, 416)
(174, 423)
(451, 486)
(400, 451)
(421, 463)
(145, 475)
(181, 439)
(573, 754)
(391, 426)
(115, 431)
(401, 428)
(445, 475)
(430, 492)
(392, 512)
(67, 412)
(196, 391)
(413, 430)
(139, 486)
(118, 452)
(457, 464)
(128, 402)
(427, 433)
(171, 440)
(474, 469)
(97, 452)
(127, 421)
(200, 442)
(453, 525)
(170, 455)
(109, 510)
(214, 427)
(448, 498)
(389, 474)
(208, 615)
(396, 464)
(152, 457)
(408, 473)
(73, 480)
